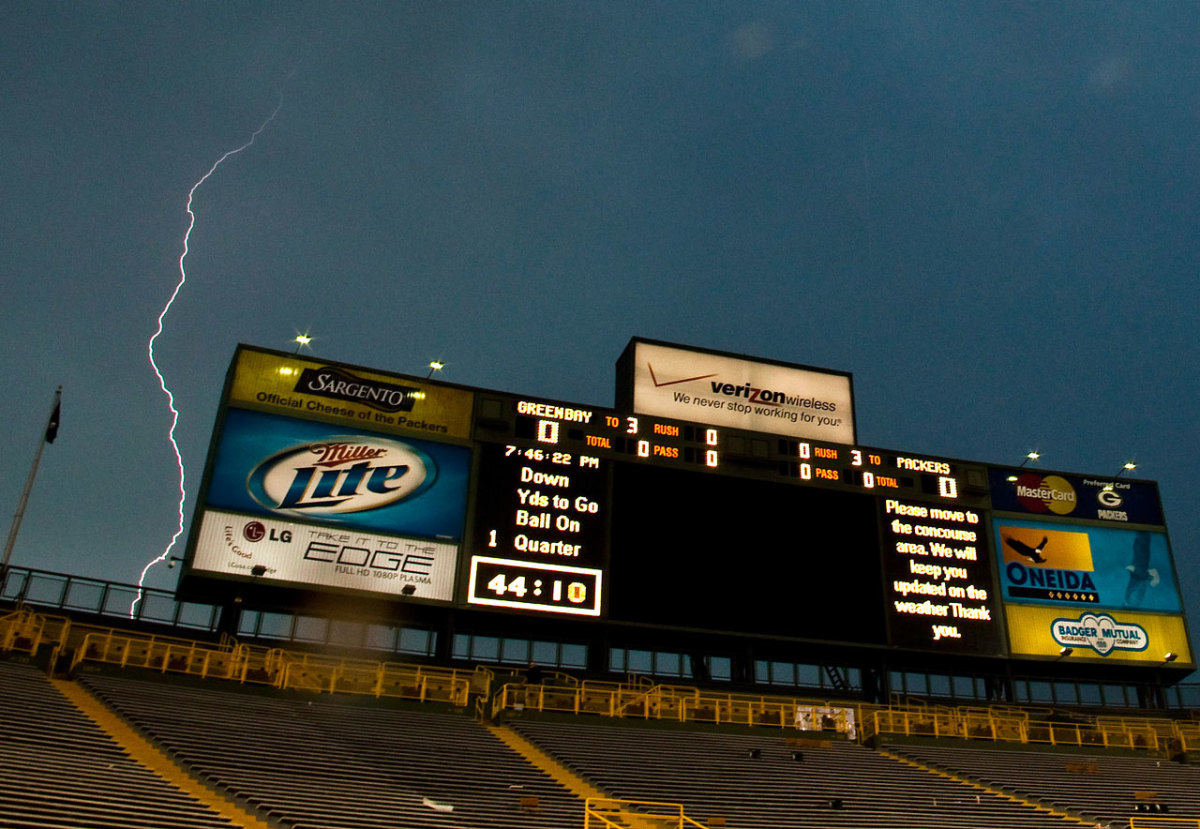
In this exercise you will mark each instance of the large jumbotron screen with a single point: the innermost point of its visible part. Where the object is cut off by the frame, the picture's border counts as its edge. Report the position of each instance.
(325, 478)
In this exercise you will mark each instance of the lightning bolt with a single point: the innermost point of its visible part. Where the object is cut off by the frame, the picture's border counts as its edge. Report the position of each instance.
(165, 554)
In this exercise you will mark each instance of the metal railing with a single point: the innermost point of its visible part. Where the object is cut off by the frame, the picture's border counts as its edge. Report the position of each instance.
(26, 631)
(1155, 735)
(678, 704)
(610, 813)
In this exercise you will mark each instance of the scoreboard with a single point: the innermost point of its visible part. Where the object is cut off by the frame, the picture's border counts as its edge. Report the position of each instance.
(709, 528)
(327, 478)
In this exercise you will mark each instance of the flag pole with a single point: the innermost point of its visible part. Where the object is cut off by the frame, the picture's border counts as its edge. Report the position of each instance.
(51, 433)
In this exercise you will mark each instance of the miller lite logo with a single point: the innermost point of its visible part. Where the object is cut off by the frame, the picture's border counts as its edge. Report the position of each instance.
(340, 475)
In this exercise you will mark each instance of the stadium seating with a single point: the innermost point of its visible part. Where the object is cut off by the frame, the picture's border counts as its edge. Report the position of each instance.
(1105, 787)
(312, 762)
(58, 769)
(768, 781)
(322, 742)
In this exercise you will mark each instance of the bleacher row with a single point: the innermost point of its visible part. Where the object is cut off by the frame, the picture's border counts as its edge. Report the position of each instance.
(306, 762)
(309, 759)
(28, 632)
(57, 769)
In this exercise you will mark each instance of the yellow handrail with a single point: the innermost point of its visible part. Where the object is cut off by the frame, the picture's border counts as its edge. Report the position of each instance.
(611, 813)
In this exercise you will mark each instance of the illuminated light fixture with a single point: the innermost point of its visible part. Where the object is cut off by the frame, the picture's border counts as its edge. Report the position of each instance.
(1170, 656)
(417, 395)
(434, 365)
(287, 371)
(1065, 652)
(302, 341)
(1128, 466)
(1029, 456)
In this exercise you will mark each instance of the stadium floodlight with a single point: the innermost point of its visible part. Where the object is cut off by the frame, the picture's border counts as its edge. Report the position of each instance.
(434, 365)
(1031, 455)
(1128, 466)
(302, 340)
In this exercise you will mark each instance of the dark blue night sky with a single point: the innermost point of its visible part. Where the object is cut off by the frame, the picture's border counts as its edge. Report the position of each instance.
(987, 212)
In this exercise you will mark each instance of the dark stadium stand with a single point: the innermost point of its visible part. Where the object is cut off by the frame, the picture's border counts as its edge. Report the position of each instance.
(1104, 787)
(58, 769)
(330, 762)
(715, 775)
(304, 741)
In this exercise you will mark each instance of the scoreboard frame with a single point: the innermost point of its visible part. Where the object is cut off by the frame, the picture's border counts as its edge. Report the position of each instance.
(544, 540)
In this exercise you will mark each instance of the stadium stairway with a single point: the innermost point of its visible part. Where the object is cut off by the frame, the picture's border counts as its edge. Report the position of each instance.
(321, 762)
(59, 770)
(546, 764)
(156, 761)
(1105, 787)
(766, 781)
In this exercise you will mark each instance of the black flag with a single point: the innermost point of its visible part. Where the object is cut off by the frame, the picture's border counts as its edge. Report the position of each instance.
(52, 425)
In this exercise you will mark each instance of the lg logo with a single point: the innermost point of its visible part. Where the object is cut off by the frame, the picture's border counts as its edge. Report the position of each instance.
(255, 531)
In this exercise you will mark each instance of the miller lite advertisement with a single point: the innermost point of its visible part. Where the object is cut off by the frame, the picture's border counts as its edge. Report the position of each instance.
(314, 503)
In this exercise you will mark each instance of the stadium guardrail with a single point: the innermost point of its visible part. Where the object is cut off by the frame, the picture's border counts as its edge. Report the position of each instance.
(1155, 735)
(233, 661)
(679, 704)
(24, 631)
(610, 813)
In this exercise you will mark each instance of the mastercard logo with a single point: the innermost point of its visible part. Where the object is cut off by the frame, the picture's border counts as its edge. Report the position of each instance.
(1046, 494)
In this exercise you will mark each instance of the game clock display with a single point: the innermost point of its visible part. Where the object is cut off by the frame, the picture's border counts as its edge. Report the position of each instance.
(541, 530)
(556, 588)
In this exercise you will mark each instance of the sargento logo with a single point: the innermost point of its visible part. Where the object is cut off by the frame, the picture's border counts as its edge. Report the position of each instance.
(1100, 632)
(1049, 494)
(340, 475)
(339, 384)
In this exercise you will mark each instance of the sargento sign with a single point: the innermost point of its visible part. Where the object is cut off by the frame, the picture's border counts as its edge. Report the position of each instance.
(298, 386)
(340, 384)
(736, 392)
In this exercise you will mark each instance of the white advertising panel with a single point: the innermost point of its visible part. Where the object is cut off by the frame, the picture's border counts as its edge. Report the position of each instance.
(336, 557)
(742, 394)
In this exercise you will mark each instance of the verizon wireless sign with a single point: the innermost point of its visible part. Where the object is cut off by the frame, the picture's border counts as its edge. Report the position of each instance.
(734, 392)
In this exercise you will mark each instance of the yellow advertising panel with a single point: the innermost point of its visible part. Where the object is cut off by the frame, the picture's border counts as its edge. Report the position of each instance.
(300, 386)
(1093, 634)
(1032, 545)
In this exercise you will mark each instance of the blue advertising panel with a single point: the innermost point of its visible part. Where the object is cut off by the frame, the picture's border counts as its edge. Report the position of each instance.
(1045, 562)
(1074, 496)
(296, 469)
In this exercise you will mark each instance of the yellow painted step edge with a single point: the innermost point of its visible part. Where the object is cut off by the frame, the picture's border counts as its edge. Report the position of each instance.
(989, 789)
(143, 752)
